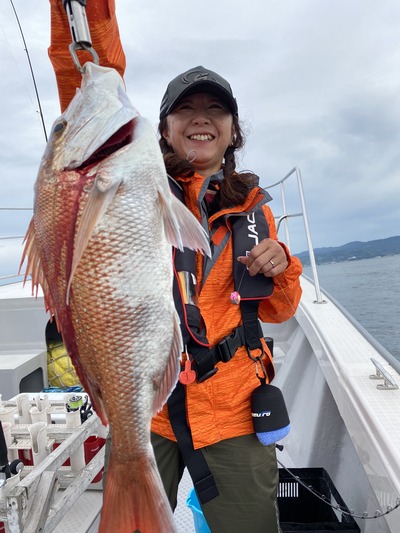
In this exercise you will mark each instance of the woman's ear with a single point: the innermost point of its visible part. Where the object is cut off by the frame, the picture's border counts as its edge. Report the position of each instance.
(233, 135)
(165, 135)
(233, 140)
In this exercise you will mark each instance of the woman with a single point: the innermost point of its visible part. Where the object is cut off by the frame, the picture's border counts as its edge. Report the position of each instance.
(199, 135)
(236, 476)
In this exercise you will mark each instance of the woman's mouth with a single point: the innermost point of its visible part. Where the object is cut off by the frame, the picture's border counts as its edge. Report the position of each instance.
(201, 137)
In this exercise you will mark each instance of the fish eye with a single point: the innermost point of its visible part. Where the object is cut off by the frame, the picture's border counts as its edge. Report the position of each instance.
(59, 127)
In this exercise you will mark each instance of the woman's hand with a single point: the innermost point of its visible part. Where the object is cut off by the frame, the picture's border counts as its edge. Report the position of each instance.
(268, 258)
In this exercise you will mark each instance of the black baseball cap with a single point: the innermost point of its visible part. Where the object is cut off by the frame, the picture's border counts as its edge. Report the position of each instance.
(194, 80)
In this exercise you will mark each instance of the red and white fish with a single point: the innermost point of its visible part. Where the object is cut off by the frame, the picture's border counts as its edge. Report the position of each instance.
(100, 245)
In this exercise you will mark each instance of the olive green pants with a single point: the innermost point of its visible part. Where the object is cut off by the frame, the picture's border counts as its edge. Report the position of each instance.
(246, 475)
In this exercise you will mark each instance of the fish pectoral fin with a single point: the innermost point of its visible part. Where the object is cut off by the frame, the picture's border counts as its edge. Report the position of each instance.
(171, 223)
(99, 198)
(182, 229)
(166, 385)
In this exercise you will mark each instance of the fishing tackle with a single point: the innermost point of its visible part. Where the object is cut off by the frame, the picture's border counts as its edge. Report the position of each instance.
(235, 297)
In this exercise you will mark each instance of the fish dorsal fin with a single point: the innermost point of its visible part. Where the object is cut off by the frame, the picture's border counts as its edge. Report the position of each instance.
(99, 198)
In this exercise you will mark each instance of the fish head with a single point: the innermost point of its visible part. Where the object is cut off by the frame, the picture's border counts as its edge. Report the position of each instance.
(98, 122)
(95, 118)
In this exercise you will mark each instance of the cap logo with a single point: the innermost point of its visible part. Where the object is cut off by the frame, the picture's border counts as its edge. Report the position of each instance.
(197, 75)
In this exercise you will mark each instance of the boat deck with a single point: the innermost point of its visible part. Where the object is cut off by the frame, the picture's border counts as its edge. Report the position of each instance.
(84, 516)
(345, 360)
(341, 419)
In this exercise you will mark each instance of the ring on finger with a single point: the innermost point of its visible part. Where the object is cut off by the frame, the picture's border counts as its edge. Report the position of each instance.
(272, 263)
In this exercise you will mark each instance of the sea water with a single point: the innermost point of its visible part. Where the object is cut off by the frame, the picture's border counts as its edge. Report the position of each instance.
(369, 289)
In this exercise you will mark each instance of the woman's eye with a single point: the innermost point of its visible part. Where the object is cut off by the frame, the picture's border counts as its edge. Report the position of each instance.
(217, 106)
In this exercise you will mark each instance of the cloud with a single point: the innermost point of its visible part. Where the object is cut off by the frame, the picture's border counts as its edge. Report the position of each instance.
(316, 82)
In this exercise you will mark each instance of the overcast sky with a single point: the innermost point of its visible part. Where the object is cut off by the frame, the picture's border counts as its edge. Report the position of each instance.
(317, 83)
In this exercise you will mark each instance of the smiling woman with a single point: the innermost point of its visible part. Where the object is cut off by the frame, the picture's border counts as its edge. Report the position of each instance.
(200, 129)
(199, 135)
(204, 91)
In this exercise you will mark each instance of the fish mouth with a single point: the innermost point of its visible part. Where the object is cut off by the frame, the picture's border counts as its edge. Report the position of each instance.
(118, 140)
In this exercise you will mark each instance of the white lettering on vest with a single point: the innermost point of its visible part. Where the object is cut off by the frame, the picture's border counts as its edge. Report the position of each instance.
(252, 229)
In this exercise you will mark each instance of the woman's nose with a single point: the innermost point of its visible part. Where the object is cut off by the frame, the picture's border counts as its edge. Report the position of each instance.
(200, 116)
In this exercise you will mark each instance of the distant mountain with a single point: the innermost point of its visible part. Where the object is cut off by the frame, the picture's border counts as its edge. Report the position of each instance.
(353, 251)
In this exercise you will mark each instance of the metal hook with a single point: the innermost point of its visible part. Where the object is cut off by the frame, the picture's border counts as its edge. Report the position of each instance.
(73, 47)
(257, 361)
(258, 358)
(78, 24)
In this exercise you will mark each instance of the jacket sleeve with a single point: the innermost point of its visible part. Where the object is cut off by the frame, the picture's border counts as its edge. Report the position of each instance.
(283, 302)
(106, 42)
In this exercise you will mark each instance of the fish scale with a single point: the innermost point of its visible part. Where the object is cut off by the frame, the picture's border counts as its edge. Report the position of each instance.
(100, 245)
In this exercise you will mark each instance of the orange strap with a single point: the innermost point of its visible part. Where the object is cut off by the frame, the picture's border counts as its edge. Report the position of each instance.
(106, 41)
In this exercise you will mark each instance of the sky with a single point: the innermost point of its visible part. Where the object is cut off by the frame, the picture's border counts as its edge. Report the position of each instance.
(317, 84)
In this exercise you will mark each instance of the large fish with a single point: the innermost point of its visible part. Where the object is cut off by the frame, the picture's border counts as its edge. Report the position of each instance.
(99, 244)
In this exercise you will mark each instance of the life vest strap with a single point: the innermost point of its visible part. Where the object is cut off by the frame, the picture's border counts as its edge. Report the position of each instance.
(205, 360)
(202, 478)
(251, 324)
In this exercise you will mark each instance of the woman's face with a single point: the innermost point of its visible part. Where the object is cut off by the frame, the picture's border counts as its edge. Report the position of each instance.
(200, 128)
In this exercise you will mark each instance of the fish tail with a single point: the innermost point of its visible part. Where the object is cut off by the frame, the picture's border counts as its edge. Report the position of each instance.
(135, 500)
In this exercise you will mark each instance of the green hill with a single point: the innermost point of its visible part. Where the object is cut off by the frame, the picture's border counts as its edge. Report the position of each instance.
(353, 251)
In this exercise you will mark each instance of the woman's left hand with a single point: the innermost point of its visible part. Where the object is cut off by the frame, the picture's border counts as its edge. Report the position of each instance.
(268, 258)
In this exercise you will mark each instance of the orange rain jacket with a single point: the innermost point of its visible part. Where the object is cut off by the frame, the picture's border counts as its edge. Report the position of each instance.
(218, 408)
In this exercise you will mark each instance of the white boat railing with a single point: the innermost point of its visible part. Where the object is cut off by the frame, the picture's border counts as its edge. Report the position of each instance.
(303, 213)
(284, 217)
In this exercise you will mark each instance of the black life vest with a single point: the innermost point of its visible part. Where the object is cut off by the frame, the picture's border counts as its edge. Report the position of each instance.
(247, 229)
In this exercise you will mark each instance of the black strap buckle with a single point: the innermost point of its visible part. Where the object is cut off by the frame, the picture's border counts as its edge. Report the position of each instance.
(204, 360)
(227, 348)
